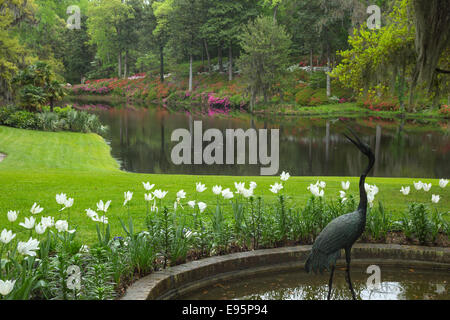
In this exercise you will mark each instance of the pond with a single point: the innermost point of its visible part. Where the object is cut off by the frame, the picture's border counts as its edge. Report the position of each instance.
(396, 284)
(140, 140)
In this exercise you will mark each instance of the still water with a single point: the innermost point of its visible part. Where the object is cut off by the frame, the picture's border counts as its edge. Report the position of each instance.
(396, 284)
(140, 139)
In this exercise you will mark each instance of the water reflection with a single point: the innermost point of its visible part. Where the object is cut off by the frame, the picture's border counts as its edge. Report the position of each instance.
(397, 284)
(141, 141)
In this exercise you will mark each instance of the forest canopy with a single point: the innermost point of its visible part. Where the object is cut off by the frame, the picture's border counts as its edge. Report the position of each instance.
(119, 38)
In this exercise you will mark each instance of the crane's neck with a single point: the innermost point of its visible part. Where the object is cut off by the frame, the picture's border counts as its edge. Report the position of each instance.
(362, 208)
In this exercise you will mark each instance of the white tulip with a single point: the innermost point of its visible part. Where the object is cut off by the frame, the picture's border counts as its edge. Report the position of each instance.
(371, 189)
(67, 204)
(63, 226)
(227, 194)
(91, 213)
(148, 197)
(61, 198)
(103, 206)
(435, 198)
(253, 185)
(128, 196)
(12, 215)
(315, 190)
(35, 209)
(426, 187)
(285, 176)
(405, 190)
(247, 193)
(148, 186)
(217, 190)
(418, 185)
(40, 228)
(6, 236)
(28, 248)
(275, 188)
(345, 185)
(102, 219)
(29, 223)
(321, 184)
(342, 194)
(160, 194)
(6, 287)
(200, 187)
(181, 194)
(84, 249)
(47, 222)
(239, 186)
(443, 183)
(191, 204)
(201, 206)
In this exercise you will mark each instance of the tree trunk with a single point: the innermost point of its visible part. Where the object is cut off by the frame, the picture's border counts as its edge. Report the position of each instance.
(275, 11)
(219, 56)
(311, 59)
(125, 67)
(119, 67)
(328, 74)
(230, 62)
(207, 54)
(190, 72)
(252, 99)
(161, 62)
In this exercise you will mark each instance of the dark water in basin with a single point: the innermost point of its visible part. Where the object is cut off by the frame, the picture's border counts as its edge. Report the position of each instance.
(141, 141)
(396, 284)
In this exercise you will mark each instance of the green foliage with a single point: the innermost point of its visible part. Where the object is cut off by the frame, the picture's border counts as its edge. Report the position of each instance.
(318, 80)
(266, 47)
(37, 86)
(377, 58)
(417, 222)
(303, 96)
(61, 119)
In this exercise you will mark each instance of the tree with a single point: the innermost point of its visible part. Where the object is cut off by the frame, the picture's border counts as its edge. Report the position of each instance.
(432, 20)
(109, 26)
(37, 86)
(224, 22)
(266, 47)
(162, 11)
(185, 22)
(12, 53)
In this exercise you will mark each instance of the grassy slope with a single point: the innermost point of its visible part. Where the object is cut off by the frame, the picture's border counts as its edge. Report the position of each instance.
(41, 164)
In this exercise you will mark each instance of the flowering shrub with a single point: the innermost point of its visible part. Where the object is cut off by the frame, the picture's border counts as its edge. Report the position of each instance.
(445, 110)
(218, 103)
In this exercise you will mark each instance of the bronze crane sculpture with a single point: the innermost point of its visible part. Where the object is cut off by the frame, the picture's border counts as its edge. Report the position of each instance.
(343, 231)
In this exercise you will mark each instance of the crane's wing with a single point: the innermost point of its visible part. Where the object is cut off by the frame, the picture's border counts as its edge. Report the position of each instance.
(340, 233)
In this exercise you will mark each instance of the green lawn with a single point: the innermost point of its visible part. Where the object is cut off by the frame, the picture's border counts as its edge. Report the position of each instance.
(41, 164)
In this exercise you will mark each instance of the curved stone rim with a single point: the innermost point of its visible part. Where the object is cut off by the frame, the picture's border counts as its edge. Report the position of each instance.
(179, 280)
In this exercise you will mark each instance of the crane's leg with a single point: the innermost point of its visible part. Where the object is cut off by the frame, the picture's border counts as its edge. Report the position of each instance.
(347, 272)
(330, 283)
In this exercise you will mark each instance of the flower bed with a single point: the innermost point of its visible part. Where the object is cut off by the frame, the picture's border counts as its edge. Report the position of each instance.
(39, 256)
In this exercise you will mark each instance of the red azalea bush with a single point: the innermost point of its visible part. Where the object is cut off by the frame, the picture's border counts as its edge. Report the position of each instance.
(445, 110)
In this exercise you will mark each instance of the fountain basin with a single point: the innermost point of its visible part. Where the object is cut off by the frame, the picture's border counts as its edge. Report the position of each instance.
(182, 280)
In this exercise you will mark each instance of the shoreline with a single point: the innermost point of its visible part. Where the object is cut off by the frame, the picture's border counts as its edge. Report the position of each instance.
(349, 110)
